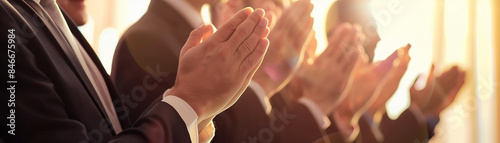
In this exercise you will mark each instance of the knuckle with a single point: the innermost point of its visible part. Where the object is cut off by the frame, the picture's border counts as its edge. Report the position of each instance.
(243, 30)
(246, 47)
(231, 25)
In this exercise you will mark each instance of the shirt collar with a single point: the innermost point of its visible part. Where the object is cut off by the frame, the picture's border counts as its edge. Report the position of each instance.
(187, 11)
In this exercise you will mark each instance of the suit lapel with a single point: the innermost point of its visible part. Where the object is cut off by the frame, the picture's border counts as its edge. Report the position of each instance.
(125, 122)
(69, 54)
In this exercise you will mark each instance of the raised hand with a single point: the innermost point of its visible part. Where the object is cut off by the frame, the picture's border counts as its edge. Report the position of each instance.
(390, 84)
(323, 79)
(288, 39)
(439, 92)
(367, 86)
(214, 70)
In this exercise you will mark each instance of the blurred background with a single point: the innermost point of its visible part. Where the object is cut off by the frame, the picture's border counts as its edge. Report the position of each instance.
(443, 32)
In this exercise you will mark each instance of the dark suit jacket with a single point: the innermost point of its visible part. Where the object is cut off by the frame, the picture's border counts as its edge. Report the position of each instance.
(302, 128)
(365, 134)
(246, 121)
(54, 100)
(406, 128)
(243, 121)
(146, 57)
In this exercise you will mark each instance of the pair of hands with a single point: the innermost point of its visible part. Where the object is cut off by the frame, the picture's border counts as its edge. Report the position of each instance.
(439, 92)
(289, 37)
(373, 85)
(215, 68)
(324, 78)
(290, 31)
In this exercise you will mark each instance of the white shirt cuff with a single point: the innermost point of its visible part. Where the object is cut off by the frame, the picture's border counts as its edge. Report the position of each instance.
(348, 132)
(261, 95)
(187, 114)
(322, 120)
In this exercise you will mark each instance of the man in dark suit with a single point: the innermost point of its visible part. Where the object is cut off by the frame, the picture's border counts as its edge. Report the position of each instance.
(64, 94)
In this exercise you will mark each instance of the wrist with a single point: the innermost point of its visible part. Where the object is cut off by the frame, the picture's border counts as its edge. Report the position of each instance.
(322, 98)
(194, 104)
(265, 82)
(345, 113)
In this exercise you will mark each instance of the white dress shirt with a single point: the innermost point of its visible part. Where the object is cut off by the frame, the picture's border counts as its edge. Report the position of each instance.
(347, 132)
(322, 120)
(261, 95)
(187, 114)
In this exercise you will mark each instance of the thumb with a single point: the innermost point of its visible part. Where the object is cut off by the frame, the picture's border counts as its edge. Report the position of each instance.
(197, 36)
(430, 80)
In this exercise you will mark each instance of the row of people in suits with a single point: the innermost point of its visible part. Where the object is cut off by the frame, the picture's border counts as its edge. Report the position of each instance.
(63, 94)
(343, 84)
(318, 103)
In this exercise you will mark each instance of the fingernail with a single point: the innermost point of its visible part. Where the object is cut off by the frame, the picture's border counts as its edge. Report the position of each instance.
(260, 12)
(264, 42)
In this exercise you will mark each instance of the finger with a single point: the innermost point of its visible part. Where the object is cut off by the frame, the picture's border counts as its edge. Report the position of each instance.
(350, 62)
(299, 18)
(246, 29)
(244, 85)
(450, 80)
(333, 41)
(228, 28)
(389, 62)
(296, 22)
(311, 48)
(359, 34)
(260, 50)
(431, 79)
(346, 45)
(460, 83)
(413, 87)
(249, 44)
(304, 33)
(340, 34)
(196, 36)
(254, 58)
(271, 16)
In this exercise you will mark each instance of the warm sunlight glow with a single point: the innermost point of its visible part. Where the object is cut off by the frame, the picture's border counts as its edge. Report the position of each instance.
(107, 43)
(205, 14)
(319, 15)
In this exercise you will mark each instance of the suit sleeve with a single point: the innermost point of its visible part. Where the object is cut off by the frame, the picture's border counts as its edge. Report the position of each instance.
(161, 124)
(303, 121)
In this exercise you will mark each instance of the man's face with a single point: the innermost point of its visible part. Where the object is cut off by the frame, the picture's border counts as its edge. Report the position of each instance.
(372, 38)
(75, 10)
(358, 12)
